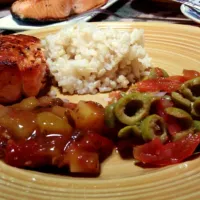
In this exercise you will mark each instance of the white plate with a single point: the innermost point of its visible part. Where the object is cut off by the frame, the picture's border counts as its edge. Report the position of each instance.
(8, 23)
(190, 13)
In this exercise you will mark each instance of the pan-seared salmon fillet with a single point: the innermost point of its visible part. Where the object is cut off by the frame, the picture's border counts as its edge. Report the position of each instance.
(51, 10)
(23, 67)
(43, 10)
(80, 6)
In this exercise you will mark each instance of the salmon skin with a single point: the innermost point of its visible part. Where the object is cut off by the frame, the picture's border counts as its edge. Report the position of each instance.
(23, 68)
(48, 11)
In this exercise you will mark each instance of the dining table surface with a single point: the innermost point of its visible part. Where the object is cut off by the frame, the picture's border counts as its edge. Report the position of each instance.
(166, 11)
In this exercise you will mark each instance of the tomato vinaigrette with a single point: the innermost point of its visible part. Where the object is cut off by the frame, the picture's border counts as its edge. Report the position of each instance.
(156, 122)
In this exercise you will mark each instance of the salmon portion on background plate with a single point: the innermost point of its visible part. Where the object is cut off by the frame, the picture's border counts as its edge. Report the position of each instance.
(51, 10)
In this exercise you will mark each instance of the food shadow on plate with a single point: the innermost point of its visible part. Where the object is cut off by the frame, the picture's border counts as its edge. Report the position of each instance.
(124, 147)
(194, 156)
(64, 172)
(147, 166)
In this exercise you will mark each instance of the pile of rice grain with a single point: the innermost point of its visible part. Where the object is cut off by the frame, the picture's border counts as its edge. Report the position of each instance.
(85, 59)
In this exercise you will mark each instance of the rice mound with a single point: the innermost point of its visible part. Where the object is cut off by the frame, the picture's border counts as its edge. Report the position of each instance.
(85, 59)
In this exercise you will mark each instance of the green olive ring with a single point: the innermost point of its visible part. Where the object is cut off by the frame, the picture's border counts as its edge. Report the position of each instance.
(196, 125)
(153, 126)
(153, 73)
(180, 101)
(129, 130)
(184, 118)
(142, 98)
(196, 108)
(186, 88)
(110, 118)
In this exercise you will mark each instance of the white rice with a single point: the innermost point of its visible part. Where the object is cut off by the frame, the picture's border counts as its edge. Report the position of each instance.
(85, 59)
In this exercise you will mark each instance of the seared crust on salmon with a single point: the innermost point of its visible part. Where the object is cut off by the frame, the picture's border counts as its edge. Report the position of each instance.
(45, 11)
(23, 67)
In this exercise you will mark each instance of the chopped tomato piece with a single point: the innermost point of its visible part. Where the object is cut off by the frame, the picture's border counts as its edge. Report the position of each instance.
(161, 105)
(190, 74)
(25, 155)
(158, 154)
(93, 142)
(166, 84)
(172, 124)
(114, 96)
(177, 78)
(34, 152)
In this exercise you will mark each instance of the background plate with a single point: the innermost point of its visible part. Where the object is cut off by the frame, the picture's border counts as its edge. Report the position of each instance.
(8, 23)
(172, 47)
(191, 13)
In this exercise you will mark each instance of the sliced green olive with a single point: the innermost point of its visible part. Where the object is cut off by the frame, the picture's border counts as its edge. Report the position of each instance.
(153, 126)
(129, 130)
(196, 108)
(180, 114)
(180, 101)
(182, 134)
(184, 119)
(196, 124)
(154, 74)
(110, 116)
(133, 107)
(191, 89)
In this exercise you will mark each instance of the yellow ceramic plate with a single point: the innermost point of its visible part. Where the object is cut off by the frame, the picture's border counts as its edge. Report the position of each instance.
(172, 47)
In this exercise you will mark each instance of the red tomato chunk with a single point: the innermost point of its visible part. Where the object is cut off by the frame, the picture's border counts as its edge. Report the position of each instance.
(159, 154)
(168, 84)
(190, 74)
